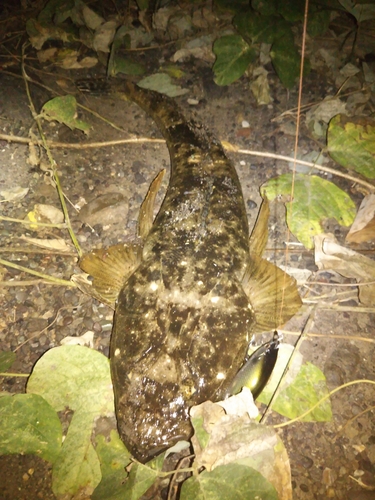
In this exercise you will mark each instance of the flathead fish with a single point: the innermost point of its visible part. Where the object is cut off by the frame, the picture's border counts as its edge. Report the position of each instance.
(191, 297)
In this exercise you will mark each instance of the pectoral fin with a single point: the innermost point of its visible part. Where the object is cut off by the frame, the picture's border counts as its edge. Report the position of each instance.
(109, 268)
(146, 212)
(272, 293)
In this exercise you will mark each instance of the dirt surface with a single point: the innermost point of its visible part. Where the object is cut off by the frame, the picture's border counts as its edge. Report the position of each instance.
(328, 460)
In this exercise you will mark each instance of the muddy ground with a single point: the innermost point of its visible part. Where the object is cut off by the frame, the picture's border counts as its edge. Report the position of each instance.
(327, 459)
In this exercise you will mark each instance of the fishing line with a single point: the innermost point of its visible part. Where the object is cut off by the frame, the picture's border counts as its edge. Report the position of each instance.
(286, 254)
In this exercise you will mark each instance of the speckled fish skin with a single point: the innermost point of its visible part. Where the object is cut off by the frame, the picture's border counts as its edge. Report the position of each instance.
(182, 319)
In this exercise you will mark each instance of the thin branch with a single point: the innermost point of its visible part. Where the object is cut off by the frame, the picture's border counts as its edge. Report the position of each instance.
(50, 158)
(229, 147)
(52, 279)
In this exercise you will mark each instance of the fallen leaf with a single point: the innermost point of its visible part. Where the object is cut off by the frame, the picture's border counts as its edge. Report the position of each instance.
(229, 482)
(332, 256)
(87, 339)
(363, 227)
(64, 110)
(29, 425)
(104, 36)
(77, 378)
(161, 82)
(231, 440)
(54, 244)
(315, 199)
(14, 194)
(351, 143)
(260, 86)
(45, 213)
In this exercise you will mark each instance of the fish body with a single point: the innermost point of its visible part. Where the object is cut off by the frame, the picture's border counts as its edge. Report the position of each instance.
(184, 317)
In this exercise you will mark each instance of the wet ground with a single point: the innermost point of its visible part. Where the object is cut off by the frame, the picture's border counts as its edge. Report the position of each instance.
(328, 460)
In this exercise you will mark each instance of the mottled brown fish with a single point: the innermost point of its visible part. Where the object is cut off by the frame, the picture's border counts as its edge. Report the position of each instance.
(193, 295)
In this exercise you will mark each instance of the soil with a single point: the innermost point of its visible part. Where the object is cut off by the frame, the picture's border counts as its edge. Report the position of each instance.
(328, 460)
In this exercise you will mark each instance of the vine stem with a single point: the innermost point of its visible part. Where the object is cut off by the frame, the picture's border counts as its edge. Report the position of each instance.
(47, 277)
(50, 157)
(348, 384)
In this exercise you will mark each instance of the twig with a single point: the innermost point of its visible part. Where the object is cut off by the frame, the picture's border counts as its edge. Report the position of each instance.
(63, 225)
(328, 170)
(11, 284)
(51, 160)
(52, 279)
(89, 145)
(36, 251)
(329, 336)
(292, 111)
(229, 147)
(296, 349)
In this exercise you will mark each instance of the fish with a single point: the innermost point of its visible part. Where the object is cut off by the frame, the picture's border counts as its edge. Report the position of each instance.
(189, 297)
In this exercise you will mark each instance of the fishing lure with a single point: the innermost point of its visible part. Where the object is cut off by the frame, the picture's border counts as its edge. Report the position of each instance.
(257, 369)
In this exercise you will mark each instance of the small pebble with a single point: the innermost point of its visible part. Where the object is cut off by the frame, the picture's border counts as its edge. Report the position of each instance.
(97, 327)
(251, 204)
(68, 320)
(106, 325)
(88, 323)
(306, 462)
(21, 296)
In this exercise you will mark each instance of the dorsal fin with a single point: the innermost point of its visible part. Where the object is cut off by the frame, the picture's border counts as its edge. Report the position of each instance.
(259, 234)
(146, 212)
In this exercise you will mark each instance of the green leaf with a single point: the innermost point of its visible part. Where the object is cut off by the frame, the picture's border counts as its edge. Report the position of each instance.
(29, 425)
(47, 14)
(141, 477)
(286, 59)
(78, 378)
(302, 394)
(200, 432)
(361, 11)
(127, 66)
(161, 82)
(234, 437)
(352, 144)
(7, 358)
(318, 22)
(232, 6)
(228, 482)
(268, 8)
(257, 28)
(315, 199)
(114, 458)
(233, 56)
(64, 110)
(77, 469)
(118, 63)
(292, 10)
